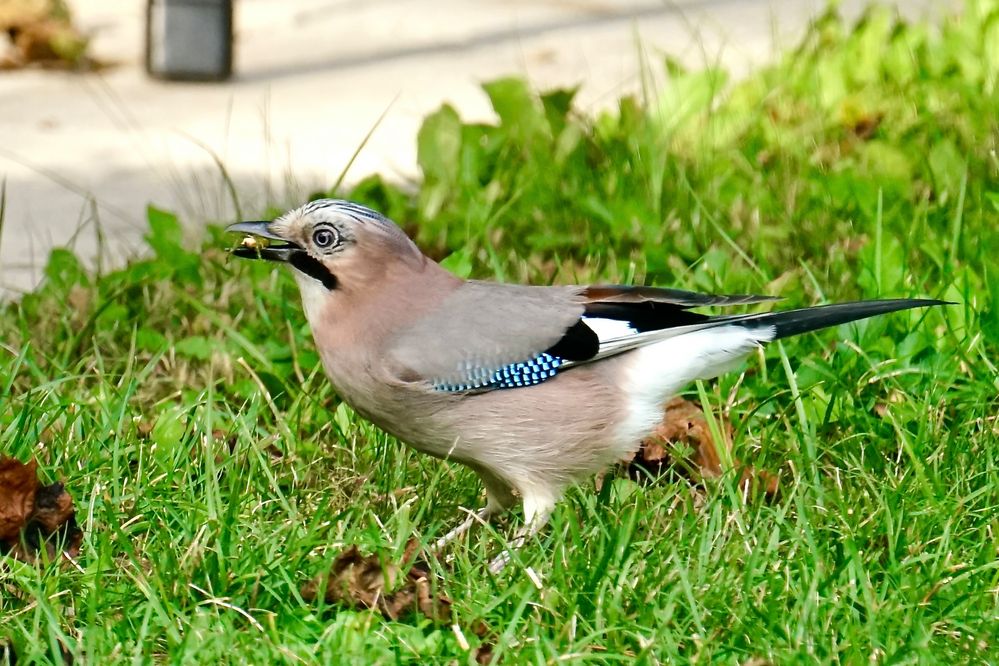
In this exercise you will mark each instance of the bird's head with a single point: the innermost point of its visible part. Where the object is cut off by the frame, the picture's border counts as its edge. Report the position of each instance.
(332, 244)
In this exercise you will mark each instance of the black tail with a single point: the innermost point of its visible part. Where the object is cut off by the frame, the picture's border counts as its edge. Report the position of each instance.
(793, 322)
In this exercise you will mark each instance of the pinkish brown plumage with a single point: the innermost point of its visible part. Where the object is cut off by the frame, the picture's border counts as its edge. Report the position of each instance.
(533, 388)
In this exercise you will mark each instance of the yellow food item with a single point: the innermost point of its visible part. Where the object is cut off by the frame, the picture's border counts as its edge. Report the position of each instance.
(253, 242)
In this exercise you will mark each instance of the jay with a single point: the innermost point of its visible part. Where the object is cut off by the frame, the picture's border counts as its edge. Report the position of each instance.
(533, 388)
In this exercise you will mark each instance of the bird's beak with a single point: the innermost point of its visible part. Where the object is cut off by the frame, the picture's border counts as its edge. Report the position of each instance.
(259, 242)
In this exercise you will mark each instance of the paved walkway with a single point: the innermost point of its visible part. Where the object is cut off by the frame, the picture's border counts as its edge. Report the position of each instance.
(312, 78)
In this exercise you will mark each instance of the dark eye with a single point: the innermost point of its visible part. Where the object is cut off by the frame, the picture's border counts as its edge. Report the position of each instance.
(325, 237)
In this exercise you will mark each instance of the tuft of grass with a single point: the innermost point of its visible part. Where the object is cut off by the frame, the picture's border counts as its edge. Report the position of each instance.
(215, 471)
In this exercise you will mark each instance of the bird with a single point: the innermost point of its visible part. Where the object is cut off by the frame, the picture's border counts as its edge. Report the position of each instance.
(534, 388)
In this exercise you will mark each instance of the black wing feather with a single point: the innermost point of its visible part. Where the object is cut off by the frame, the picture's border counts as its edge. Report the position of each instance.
(646, 315)
(579, 343)
(678, 297)
(643, 308)
(804, 320)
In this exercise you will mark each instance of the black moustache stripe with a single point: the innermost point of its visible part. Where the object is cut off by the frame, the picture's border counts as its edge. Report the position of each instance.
(314, 269)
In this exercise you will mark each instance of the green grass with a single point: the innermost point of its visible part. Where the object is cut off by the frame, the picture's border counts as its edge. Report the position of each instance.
(215, 471)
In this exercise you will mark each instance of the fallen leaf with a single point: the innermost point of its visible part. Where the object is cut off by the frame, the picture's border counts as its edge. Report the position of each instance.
(360, 581)
(18, 484)
(39, 32)
(34, 517)
(683, 441)
(144, 429)
(484, 654)
(865, 126)
(883, 409)
(16, 12)
(79, 301)
(229, 439)
(53, 508)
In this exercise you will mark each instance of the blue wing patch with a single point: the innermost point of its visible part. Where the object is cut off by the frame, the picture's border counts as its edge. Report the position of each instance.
(527, 373)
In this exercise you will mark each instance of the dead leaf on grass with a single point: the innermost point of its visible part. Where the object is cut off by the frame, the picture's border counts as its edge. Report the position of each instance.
(79, 300)
(228, 438)
(144, 429)
(18, 484)
(865, 126)
(35, 517)
(883, 409)
(683, 441)
(40, 32)
(360, 581)
(484, 654)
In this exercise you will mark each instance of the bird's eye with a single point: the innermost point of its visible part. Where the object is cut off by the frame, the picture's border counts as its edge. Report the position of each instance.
(324, 237)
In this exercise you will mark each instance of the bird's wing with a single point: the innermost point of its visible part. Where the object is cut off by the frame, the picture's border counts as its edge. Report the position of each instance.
(487, 336)
(609, 293)
(627, 317)
(481, 328)
(638, 316)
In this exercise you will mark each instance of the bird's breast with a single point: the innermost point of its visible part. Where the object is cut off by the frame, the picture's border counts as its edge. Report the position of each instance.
(411, 411)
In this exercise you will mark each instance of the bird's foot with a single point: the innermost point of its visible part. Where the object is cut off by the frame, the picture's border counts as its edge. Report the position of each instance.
(499, 562)
(478, 517)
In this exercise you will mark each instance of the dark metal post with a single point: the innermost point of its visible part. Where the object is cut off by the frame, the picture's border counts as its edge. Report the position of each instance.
(189, 40)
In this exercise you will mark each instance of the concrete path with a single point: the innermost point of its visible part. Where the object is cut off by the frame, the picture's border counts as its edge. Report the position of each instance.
(312, 77)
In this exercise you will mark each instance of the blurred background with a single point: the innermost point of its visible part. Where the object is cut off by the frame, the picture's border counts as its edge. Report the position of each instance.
(88, 139)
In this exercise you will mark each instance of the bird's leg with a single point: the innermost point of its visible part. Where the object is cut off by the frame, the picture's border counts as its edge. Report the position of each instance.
(537, 510)
(499, 498)
(480, 516)
(499, 562)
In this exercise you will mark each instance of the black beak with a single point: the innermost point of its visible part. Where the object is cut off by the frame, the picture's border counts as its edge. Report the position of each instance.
(272, 247)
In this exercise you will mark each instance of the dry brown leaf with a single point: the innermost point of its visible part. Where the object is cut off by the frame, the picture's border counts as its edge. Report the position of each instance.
(14, 13)
(865, 126)
(79, 300)
(53, 508)
(39, 32)
(484, 654)
(360, 581)
(144, 429)
(683, 441)
(18, 484)
(229, 439)
(34, 517)
(883, 409)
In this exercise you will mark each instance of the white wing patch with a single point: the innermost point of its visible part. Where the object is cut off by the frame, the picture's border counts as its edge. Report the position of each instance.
(609, 329)
(654, 373)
